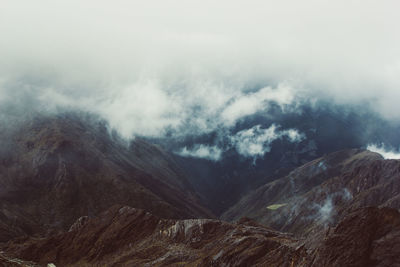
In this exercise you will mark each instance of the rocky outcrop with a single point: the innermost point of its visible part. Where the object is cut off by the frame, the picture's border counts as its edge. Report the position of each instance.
(6, 261)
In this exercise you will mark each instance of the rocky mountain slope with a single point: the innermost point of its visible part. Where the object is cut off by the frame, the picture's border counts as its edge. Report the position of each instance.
(57, 169)
(320, 193)
(124, 236)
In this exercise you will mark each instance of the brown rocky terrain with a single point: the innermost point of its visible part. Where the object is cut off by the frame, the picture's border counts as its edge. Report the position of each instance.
(124, 236)
(58, 169)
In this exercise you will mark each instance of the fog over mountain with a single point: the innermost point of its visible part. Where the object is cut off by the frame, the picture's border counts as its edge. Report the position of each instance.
(130, 130)
(240, 92)
(181, 68)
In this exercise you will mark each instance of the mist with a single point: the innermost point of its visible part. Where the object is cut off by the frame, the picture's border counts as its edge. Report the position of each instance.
(385, 152)
(153, 68)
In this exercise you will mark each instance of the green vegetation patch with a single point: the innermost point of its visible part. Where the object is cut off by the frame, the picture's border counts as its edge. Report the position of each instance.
(276, 206)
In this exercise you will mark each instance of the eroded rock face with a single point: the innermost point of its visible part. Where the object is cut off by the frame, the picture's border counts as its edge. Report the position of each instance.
(79, 223)
(6, 261)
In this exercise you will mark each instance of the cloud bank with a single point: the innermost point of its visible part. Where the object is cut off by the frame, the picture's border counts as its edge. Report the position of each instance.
(250, 143)
(386, 153)
(202, 151)
(187, 67)
(255, 142)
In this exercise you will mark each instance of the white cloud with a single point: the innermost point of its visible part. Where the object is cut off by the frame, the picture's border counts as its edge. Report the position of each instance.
(293, 135)
(148, 66)
(255, 142)
(387, 154)
(249, 104)
(250, 143)
(325, 211)
(202, 151)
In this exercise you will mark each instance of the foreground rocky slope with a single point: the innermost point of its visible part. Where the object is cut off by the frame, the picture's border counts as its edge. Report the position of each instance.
(57, 169)
(123, 236)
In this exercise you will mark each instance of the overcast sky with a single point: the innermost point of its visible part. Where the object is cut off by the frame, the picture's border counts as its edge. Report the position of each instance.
(147, 66)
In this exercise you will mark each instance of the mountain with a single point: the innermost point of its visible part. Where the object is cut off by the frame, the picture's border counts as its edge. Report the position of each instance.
(124, 236)
(59, 168)
(320, 193)
(326, 129)
(73, 193)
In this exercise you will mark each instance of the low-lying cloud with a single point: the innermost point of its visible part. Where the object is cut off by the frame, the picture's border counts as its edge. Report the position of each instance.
(185, 67)
(202, 151)
(325, 212)
(248, 104)
(386, 153)
(251, 143)
(256, 141)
